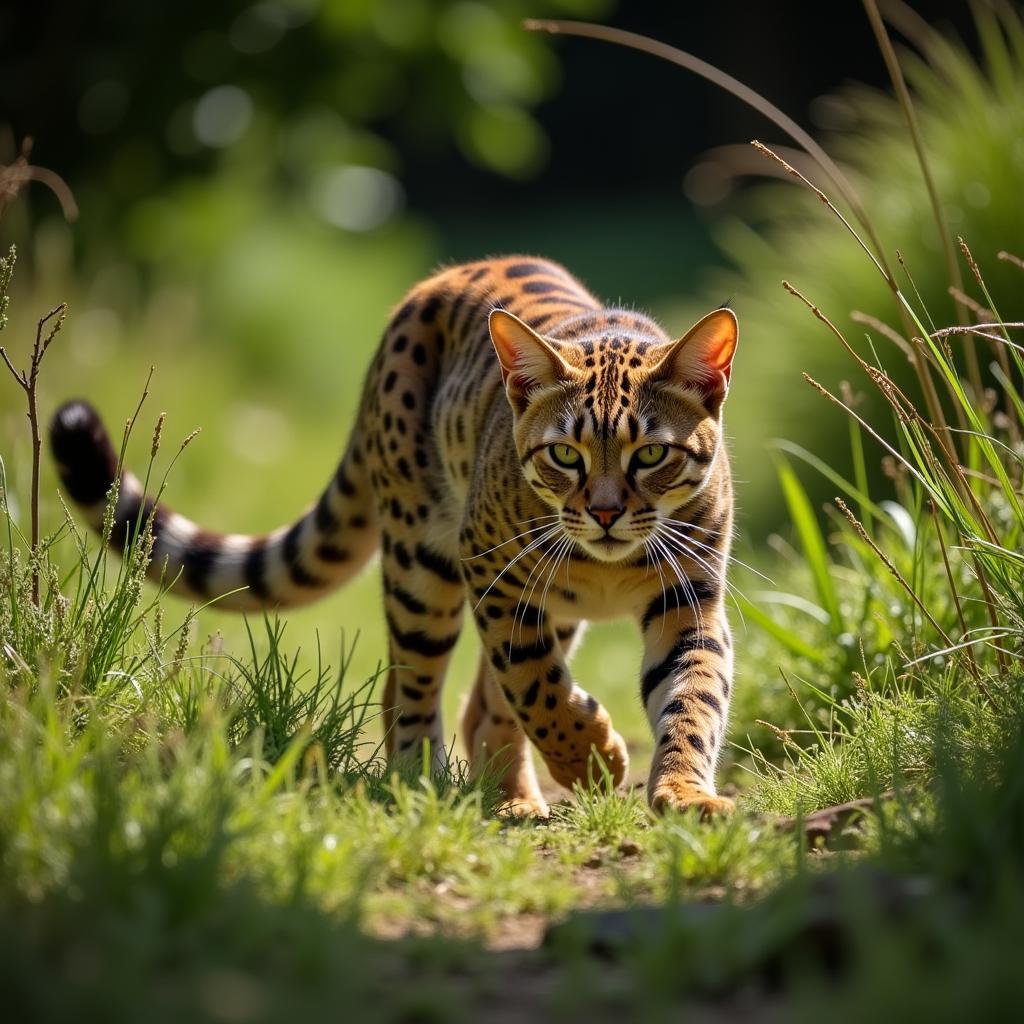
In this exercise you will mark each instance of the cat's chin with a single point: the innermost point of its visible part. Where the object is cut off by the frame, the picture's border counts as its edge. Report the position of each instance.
(610, 549)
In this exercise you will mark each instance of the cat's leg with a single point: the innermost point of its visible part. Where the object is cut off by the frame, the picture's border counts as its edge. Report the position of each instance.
(496, 743)
(423, 598)
(562, 721)
(686, 683)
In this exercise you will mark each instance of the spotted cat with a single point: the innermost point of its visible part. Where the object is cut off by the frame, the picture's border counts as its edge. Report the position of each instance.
(524, 449)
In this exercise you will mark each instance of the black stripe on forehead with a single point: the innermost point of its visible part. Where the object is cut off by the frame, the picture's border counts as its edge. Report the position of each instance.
(619, 413)
(613, 384)
(597, 383)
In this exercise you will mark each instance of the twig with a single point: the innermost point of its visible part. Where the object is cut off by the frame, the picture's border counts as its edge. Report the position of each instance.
(129, 424)
(976, 329)
(903, 95)
(902, 405)
(14, 177)
(920, 363)
(1010, 408)
(888, 563)
(764, 150)
(673, 55)
(972, 304)
(859, 317)
(28, 381)
(958, 472)
(952, 589)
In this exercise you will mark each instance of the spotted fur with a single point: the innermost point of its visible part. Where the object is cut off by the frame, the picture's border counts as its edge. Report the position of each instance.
(578, 475)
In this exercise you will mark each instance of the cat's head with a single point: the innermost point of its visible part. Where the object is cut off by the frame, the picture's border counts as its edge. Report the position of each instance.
(617, 430)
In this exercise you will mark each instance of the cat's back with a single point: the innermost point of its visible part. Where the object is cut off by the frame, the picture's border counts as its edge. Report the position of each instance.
(435, 381)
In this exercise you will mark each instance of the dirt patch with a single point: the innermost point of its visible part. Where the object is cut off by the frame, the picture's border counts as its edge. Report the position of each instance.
(594, 886)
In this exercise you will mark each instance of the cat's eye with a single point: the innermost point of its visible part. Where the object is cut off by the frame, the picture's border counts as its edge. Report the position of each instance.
(651, 454)
(565, 455)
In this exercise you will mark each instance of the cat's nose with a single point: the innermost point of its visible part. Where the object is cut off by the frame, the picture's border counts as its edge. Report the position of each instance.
(606, 514)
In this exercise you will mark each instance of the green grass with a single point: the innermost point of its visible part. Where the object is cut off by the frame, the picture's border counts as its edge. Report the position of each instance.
(196, 821)
(215, 824)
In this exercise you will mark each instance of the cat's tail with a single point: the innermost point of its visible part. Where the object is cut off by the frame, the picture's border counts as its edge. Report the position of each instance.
(292, 565)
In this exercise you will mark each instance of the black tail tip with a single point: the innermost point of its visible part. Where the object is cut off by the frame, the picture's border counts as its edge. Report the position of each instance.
(74, 417)
(84, 455)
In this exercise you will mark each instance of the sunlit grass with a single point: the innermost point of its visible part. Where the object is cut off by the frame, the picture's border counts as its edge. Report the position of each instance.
(196, 805)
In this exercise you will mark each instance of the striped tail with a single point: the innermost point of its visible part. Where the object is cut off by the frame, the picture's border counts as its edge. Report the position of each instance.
(290, 566)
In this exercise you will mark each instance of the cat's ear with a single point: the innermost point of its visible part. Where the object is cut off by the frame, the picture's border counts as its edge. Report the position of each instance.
(702, 358)
(527, 361)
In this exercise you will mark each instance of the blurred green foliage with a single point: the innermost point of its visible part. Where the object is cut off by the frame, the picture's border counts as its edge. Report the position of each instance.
(972, 122)
(303, 105)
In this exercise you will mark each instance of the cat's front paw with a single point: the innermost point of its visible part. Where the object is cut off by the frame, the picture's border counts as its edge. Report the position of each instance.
(669, 795)
(525, 807)
(582, 766)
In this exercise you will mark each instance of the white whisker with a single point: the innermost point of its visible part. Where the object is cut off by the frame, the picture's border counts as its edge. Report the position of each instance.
(734, 592)
(680, 547)
(682, 544)
(707, 547)
(661, 579)
(564, 552)
(536, 519)
(536, 542)
(524, 601)
(688, 525)
(660, 545)
(525, 533)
